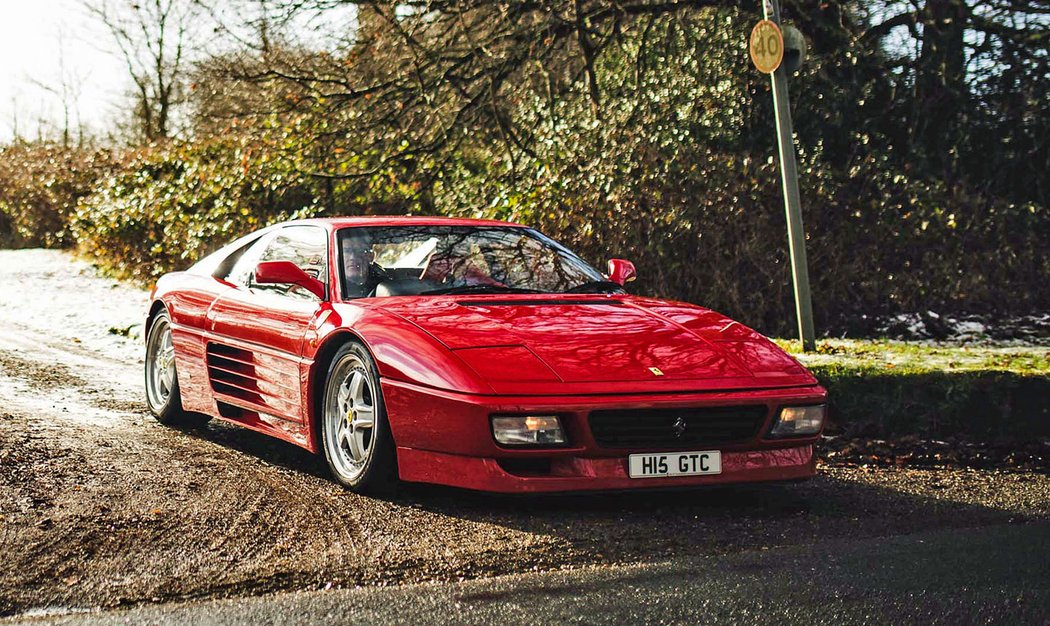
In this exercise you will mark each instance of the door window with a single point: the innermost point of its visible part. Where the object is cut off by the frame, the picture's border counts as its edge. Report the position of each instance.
(306, 246)
(243, 265)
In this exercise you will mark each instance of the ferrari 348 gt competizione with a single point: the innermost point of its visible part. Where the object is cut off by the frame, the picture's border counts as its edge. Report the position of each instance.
(472, 353)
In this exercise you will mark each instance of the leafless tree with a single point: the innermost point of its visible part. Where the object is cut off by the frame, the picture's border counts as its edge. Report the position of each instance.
(16, 127)
(949, 53)
(68, 90)
(415, 75)
(153, 38)
(416, 80)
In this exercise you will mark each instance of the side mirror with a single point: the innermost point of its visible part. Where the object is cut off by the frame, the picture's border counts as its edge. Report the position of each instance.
(621, 271)
(287, 273)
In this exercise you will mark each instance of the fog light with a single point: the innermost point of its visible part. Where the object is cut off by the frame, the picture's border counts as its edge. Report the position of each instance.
(799, 421)
(528, 430)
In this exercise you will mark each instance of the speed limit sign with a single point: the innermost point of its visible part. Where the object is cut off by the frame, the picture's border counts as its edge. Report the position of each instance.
(766, 46)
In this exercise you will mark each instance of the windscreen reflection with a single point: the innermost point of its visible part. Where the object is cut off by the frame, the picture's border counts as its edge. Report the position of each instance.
(436, 260)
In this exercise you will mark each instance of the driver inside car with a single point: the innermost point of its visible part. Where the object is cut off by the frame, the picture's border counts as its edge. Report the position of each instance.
(359, 268)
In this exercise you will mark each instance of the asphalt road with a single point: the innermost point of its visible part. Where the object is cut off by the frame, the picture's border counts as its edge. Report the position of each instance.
(997, 574)
(102, 509)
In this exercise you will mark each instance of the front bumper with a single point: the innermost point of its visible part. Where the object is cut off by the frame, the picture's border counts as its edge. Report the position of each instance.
(446, 438)
(584, 474)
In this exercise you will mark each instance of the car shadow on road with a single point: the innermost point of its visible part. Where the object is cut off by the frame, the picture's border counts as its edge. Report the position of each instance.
(839, 502)
(651, 525)
(264, 447)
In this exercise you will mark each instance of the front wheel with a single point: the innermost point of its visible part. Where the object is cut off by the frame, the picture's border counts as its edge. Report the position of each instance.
(354, 431)
(162, 381)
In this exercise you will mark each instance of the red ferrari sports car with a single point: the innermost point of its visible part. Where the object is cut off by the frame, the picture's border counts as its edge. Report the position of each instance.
(472, 353)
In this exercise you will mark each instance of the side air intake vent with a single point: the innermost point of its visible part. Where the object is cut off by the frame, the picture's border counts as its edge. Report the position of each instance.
(232, 372)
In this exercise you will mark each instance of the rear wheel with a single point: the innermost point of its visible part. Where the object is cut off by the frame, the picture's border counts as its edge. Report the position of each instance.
(162, 381)
(355, 434)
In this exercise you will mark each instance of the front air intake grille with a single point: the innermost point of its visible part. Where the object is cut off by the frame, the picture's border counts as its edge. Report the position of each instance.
(676, 428)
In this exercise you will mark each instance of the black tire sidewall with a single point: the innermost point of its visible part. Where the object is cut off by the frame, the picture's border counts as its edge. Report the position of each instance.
(380, 471)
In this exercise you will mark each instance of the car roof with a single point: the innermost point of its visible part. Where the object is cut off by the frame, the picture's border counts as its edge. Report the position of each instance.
(398, 220)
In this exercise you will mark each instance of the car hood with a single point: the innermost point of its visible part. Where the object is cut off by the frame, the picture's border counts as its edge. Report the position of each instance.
(597, 343)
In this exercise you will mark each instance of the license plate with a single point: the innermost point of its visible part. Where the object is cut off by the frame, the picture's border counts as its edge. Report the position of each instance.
(674, 464)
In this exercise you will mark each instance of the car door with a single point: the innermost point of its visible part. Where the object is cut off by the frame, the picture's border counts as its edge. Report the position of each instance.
(256, 332)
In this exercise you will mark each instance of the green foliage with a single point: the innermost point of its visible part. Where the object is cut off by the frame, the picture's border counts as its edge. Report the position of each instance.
(40, 185)
(977, 405)
(170, 205)
(887, 389)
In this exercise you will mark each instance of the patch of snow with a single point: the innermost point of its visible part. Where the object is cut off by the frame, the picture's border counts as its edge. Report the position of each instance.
(61, 297)
(964, 328)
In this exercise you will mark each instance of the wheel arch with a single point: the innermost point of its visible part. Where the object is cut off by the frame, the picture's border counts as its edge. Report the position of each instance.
(318, 377)
(154, 310)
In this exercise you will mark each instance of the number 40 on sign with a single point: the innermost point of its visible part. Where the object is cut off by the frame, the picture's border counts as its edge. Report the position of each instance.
(766, 46)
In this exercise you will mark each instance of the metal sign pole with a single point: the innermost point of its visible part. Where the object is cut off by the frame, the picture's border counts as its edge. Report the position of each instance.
(792, 202)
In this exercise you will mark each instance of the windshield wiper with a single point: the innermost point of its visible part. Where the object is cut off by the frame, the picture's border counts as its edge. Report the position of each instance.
(597, 286)
(477, 289)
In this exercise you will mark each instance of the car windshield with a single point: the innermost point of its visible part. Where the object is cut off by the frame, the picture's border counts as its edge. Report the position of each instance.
(437, 260)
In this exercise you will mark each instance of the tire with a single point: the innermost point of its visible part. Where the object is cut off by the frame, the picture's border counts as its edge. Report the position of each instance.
(355, 433)
(162, 381)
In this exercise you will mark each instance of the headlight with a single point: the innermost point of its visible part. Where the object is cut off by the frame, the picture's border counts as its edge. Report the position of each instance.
(799, 421)
(525, 430)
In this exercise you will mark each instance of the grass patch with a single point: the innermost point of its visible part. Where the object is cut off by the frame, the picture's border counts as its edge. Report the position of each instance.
(881, 388)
